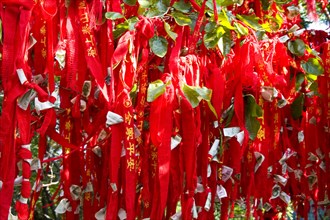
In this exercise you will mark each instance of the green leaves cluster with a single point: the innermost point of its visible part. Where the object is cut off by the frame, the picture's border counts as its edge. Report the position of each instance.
(252, 111)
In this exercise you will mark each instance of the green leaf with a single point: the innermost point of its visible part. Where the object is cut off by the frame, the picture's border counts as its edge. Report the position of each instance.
(181, 19)
(158, 45)
(170, 33)
(156, 89)
(224, 20)
(191, 94)
(297, 47)
(297, 107)
(182, 6)
(209, 27)
(113, 15)
(252, 111)
(212, 38)
(299, 80)
(241, 29)
(123, 27)
(224, 43)
(130, 2)
(195, 94)
(157, 9)
(265, 4)
(312, 66)
(144, 3)
(251, 21)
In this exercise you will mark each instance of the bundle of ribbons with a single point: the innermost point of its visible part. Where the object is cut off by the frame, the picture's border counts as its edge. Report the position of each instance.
(164, 109)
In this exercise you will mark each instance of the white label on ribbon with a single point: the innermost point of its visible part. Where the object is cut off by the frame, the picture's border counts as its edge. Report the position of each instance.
(18, 180)
(26, 146)
(175, 141)
(21, 76)
(97, 150)
(231, 132)
(32, 41)
(240, 137)
(122, 214)
(209, 171)
(280, 179)
(60, 57)
(288, 153)
(301, 136)
(284, 38)
(24, 101)
(100, 215)
(63, 206)
(113, 187)
(113, 118)
(89, 187)
(194, 211)
(275, 192)
(207, 205)
(86, 90)
(285, 197)
(214, 149)
(1, 184)
(75, 192)
(267, 206)
(42, 105)
(35, 164)
(226, 173)
(176, 216)
(312, 157)
(123, 152)
(259, 159)
(221, 192)
(199, 188)
(323, 166)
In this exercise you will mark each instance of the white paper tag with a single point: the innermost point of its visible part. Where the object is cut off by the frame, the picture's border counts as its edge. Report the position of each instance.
(63, 206)
(214, 149)
(1, 184)
(18, 180)
(23, 200)
(122, 214)
(280, 179)
(230, 132)
(221, 192)
(35, 164)
(285, 197)
(113, 118)
(86, 90)
(199, 188)
(175, 141)
(42, 105)
(60, 57)
(207, 205)
(123, 152)
(75, 192)
(21, 76)
(89, 187)
(194, 211)
(312, 157)
(259, 159)
(24, 101)
(176, 216)
(267, 206)
(97, 150)
(226, 173)
(113, 186)
(209, 171)
(276, 191)
(288, 153)
(240, 137)
(298, 174)
(100, 215)
(284, 38)
(301, 136)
